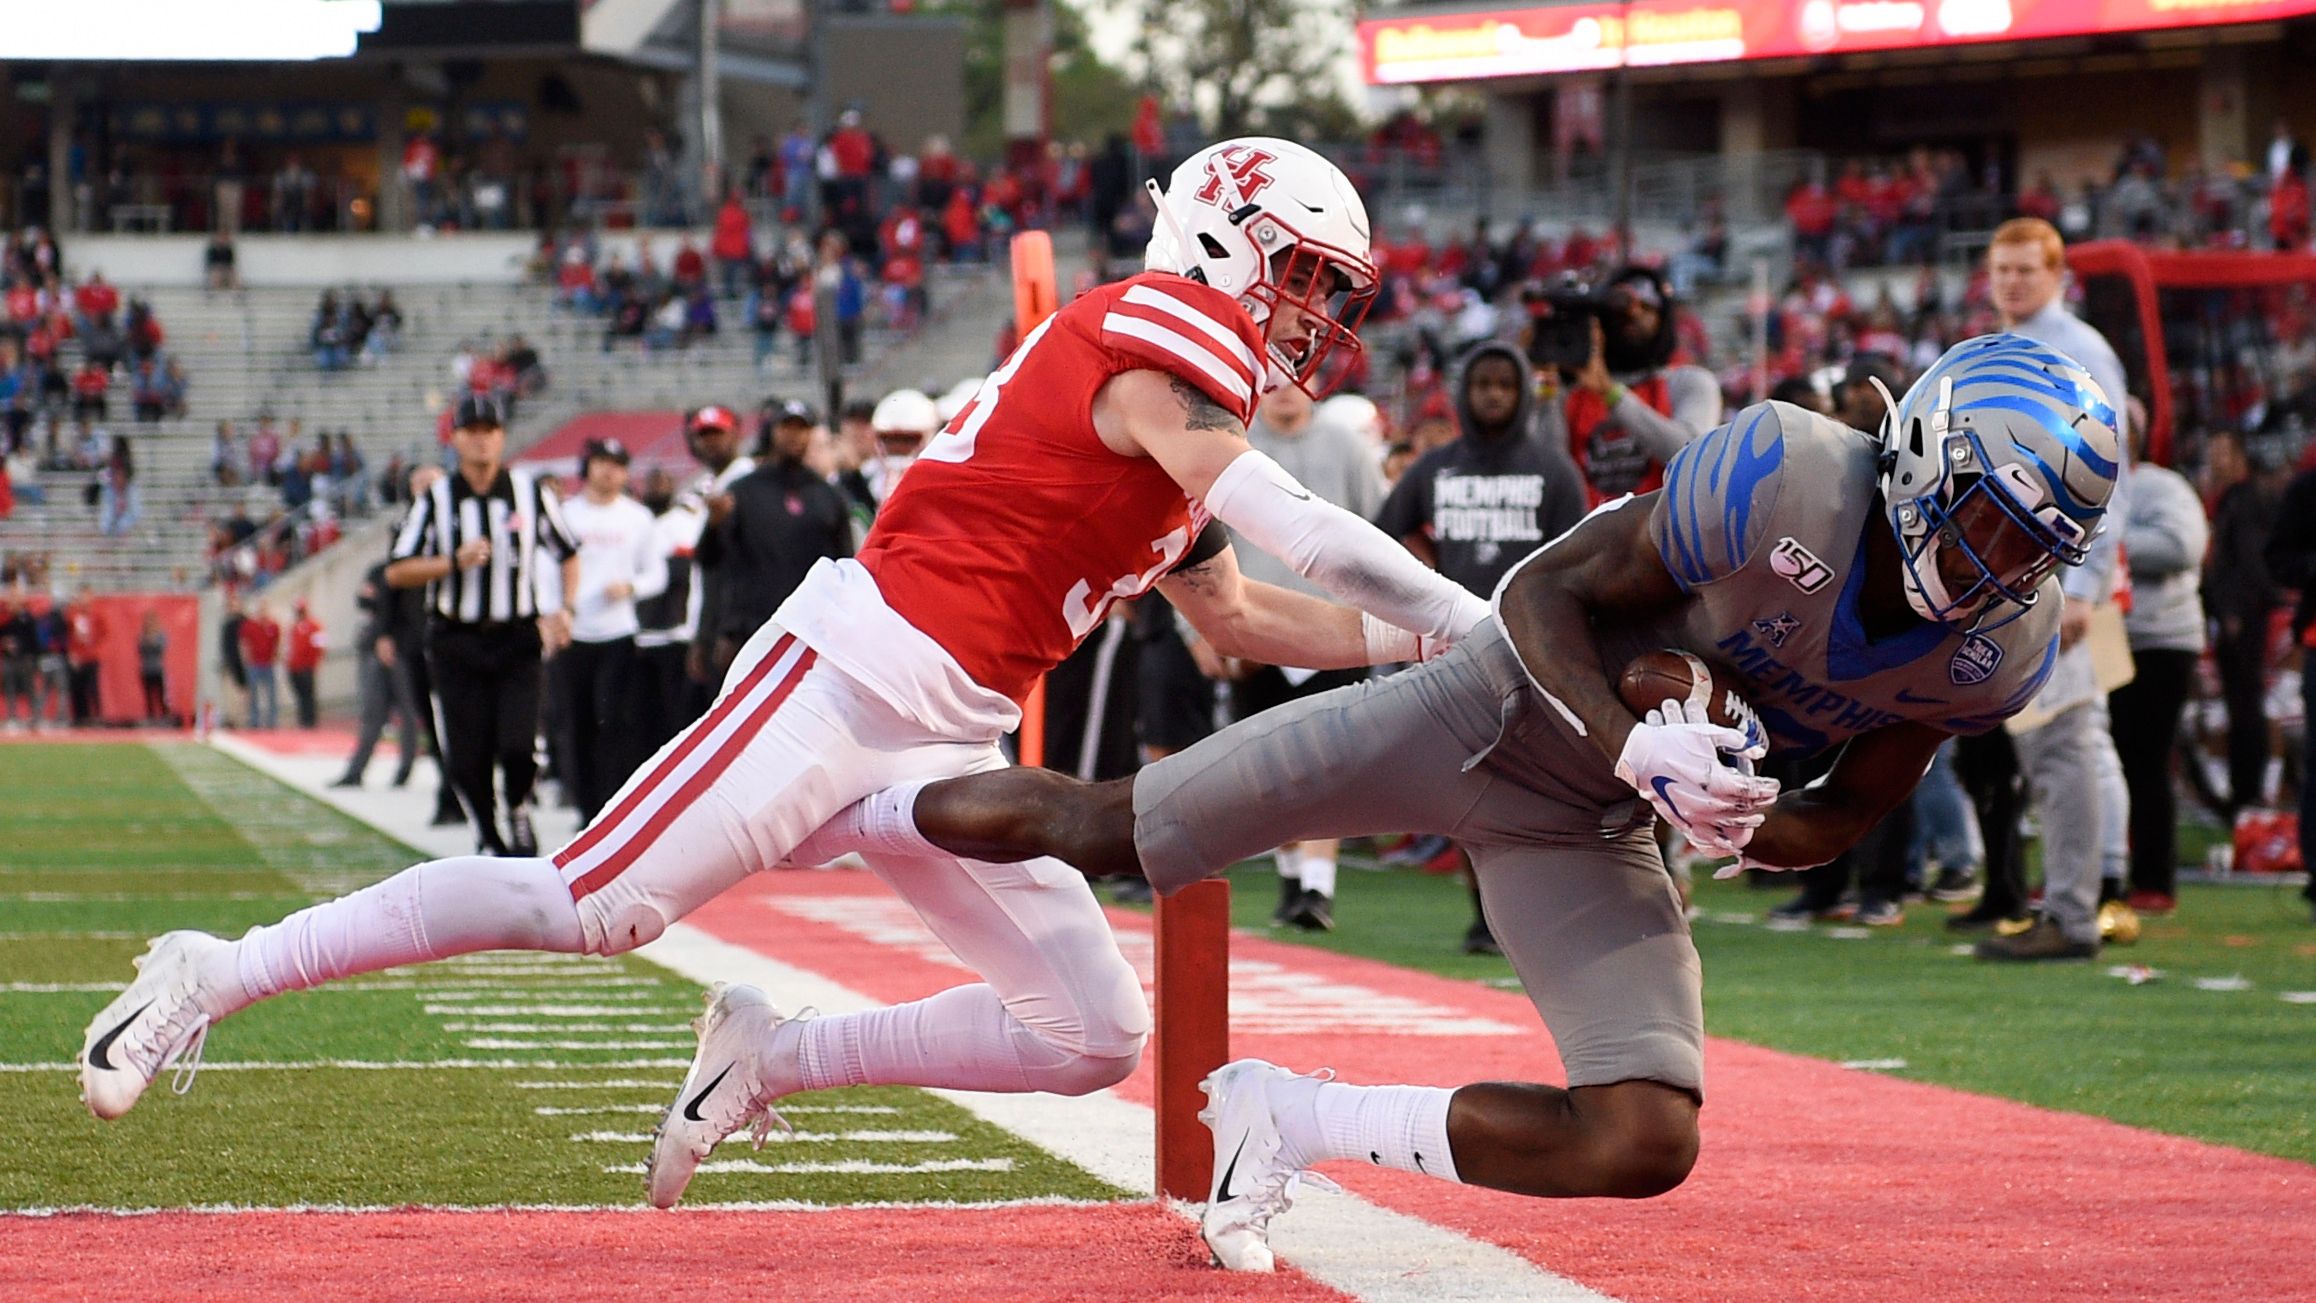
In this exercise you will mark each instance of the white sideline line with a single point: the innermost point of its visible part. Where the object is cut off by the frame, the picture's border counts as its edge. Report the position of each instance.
(641, 1210)
(1343, 1241)
(842, 1167)
(574, 1028)
(547, 1011)
(779, 1137)
(515, 1043)
(620, 1084)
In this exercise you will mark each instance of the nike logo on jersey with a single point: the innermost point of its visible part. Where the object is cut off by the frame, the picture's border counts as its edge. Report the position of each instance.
(1222, 1190)
(100, 1054)
(1913, 699)
(692, 1109)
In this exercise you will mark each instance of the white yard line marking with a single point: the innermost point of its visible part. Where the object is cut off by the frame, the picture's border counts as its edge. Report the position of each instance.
(779, 1137)
(59, 988)
(577, 1028)
(750, 1206)
(2297, 997)
(546, 1011)
(1874, 1065)
(615, 1084)
(515, 1043)
(841, 1167)
(1360, 1248)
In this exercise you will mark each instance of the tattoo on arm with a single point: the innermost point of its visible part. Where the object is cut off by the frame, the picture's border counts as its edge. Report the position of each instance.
(1200, 579)
(1201, 412)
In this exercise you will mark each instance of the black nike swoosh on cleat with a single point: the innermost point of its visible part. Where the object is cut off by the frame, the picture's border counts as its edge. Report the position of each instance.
(98, 1056)
(692, 1109)
(1419, 1164)
(1222, 1192)
(1375, 1157)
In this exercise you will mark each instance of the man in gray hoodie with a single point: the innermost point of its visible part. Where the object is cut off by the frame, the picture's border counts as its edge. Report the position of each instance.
(1473, 507)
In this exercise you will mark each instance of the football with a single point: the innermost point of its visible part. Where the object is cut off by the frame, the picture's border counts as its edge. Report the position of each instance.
(1652, 678)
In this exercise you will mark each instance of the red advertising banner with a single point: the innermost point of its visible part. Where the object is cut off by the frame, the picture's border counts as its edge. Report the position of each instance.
(1647, 33)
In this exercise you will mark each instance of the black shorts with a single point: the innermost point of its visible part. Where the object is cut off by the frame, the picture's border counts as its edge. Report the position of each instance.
(1176, 701)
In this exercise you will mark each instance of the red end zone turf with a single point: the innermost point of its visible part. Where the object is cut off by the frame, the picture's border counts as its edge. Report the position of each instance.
(1128, 1253)
(1815, 1181)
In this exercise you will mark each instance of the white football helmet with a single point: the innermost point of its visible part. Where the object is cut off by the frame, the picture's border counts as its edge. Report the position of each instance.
(1271, 223)
(903, 420)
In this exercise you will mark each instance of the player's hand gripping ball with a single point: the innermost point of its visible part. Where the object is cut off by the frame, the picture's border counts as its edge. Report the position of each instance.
(1692, 756)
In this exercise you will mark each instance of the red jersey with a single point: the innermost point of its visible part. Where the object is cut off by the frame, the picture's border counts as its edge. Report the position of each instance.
(1016, 529)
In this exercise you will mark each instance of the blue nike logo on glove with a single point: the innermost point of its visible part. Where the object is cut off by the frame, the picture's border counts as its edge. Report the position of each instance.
(1660, 782)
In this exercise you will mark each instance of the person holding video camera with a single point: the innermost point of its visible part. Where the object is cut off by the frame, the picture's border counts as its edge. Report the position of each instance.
(1609, 349)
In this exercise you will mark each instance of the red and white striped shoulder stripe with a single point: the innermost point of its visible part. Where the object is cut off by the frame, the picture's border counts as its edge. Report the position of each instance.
(1182, 327)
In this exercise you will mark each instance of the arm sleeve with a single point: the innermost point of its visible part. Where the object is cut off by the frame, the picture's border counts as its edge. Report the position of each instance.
(554, 535)
(1204, 548)
(416, 537)
(1696, 403)
(1338, 551)
(1720, 495)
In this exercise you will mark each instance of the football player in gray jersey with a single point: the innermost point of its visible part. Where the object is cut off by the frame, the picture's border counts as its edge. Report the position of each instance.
(1878, 594)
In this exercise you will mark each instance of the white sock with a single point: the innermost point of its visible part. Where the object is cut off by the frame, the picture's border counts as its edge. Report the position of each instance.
(1290, 862)
(963, 1039)
(881, 821)
(432, 911)
(1318, 872)
(1392, 1126)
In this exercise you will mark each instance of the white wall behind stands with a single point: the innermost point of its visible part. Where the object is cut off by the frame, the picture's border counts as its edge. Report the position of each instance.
(481, 258)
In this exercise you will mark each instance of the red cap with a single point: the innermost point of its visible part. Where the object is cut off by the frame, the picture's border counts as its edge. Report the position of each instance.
(715, 417)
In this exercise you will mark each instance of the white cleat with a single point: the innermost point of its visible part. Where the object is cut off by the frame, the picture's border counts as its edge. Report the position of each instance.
(734, 1078)
(156, 1022)
(1254, 1179)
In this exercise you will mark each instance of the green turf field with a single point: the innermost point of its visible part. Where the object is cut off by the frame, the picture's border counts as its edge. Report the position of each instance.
(2228, 1060)
(491, 1079)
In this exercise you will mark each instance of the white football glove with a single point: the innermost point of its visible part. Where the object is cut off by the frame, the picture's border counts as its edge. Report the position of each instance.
(1674, 760)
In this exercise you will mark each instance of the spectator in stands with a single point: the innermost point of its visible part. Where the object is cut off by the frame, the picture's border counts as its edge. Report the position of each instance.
(1856, 402)
(153, 669)
(732, 246)
(1811, 210)
(265, 451)
(2164, 539)
(218, 268)
(91, 385)
(228, 465)
(304, 656)
(229, 185)
(2288, 212)
(327, 334)
(261, 639)
(797, 169)
(385, 327)
(120, 505)
(294, 189)
(229, 650)
(840, 294)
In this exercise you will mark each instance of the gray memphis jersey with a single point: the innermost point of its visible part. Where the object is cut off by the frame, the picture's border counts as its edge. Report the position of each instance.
(1763, 524)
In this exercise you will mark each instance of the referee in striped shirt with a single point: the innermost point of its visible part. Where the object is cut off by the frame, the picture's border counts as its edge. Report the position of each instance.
(476, 540)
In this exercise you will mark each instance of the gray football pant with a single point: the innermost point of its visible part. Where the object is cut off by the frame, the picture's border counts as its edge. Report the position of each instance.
(2061, 764)
(1584, 910)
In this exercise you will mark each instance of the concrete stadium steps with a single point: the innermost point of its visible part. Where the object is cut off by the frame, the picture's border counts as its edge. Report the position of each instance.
(245, 353)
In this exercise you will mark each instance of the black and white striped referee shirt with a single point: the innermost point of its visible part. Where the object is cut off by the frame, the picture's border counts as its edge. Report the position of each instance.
(519, 515)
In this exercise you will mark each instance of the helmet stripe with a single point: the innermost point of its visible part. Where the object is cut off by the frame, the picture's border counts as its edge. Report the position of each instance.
(2050, 419)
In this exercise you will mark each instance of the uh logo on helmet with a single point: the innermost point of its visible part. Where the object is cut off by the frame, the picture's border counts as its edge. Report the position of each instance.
(1997, 467)
(1279, 228)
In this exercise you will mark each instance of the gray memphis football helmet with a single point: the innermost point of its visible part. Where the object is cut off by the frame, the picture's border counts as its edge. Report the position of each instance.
(1998, 465)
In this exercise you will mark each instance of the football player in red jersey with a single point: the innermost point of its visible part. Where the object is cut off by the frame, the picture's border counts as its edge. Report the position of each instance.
(1088, 468)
